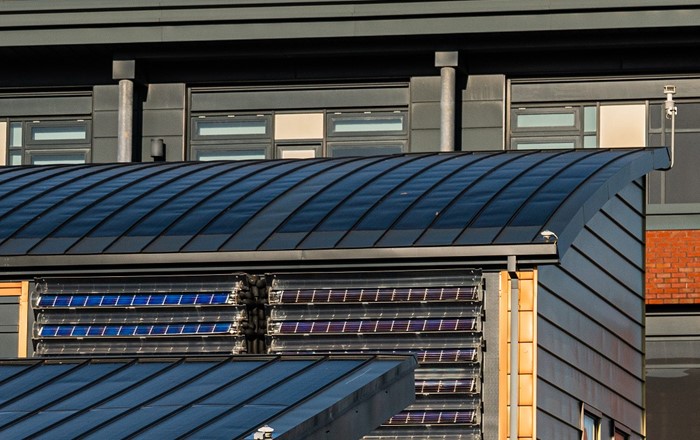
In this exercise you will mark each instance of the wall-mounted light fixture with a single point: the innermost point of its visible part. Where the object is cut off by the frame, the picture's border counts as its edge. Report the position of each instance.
(158, 150)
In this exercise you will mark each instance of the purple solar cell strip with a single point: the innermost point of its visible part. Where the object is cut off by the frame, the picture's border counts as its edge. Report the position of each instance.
(377, 295)
(368, 326)
(461, 355)
(448, 386)
(466, 417)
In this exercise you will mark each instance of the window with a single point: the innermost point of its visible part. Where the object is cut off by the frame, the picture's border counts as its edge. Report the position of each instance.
(287, 135)
(590, 423)
(606, 125)
(48, 142)
(535, 128)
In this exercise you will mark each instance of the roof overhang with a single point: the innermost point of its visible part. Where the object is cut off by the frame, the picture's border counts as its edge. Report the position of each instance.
(489, 255)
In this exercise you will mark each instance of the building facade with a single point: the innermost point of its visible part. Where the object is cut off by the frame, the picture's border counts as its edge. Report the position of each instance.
(177, 81)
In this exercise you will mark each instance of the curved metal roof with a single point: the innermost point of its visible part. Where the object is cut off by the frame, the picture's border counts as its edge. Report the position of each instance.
(430, 201)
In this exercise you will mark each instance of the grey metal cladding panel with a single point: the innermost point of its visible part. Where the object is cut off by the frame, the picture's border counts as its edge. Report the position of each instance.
(586, 358)
(106, 98)
(481, 139)
(598, 304)
(46, 106)
(549, 427)
(578, 383)
(683, 180)
(159, 123)
(165, 96)
(299, 99)
(610, 261)
(560, 406)
(672, 350)
(673, 324)
(485, 88)
(9, 315)
(105, 124)
(626, 244)
(425, 141)
(180, 21)
(425, 115)
(612, 90)
(425, 89)
(8, 345)
(672, 402)
(571, 320)
(481, 114)
(104, 150)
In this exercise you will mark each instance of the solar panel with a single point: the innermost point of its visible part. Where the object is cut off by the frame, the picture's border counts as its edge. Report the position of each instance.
(377, 326)
(407, 294)
(134, 299)
(71, 331)
(464, 417)
(448, 386)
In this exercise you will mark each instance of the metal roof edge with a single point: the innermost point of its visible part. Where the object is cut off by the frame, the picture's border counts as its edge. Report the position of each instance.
(546, 250)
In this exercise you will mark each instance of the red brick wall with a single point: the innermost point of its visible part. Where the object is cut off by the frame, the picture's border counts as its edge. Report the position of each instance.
(673, 267)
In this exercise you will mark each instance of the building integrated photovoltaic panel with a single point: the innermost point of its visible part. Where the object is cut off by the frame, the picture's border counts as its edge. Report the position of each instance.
(437, 316)
(140, 315)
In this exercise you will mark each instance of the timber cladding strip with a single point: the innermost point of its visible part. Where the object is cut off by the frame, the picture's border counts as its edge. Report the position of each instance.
(49, 23)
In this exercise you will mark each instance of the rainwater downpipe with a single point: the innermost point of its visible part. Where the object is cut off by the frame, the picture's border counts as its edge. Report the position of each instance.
(125, 120)
(447, 62)
(124, 71)
(514, 337)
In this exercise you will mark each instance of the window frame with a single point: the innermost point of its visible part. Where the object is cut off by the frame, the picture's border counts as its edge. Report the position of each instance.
(315, 146)
(30, 148)
(30, 142)
(596, 416)
(332, 116)
(30, 153)
(194, 149)
(230, 138)
(576, 110)
(330, 145)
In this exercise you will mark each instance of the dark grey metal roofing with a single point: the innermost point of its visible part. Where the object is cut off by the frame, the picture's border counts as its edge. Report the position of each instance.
(298, 396)
(312, 209)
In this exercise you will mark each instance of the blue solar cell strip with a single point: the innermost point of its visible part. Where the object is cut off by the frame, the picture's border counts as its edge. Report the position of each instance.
(72, 331)
(133, 300)
(380, 326)
(375, 295)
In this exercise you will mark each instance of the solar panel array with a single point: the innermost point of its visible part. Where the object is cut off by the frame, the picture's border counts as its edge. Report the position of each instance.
(140, 315)
(437, 316)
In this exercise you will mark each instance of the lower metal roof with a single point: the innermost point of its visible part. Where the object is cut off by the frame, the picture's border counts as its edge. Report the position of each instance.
(462, 203)
(298, 396)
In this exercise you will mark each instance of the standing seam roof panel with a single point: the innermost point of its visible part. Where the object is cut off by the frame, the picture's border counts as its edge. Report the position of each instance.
(436, 199)
(184, 216)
